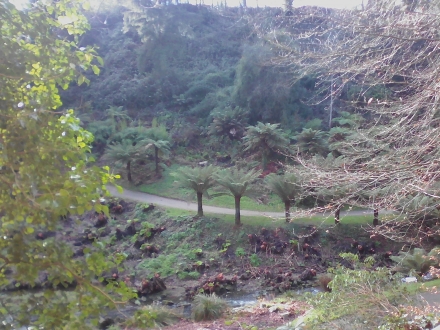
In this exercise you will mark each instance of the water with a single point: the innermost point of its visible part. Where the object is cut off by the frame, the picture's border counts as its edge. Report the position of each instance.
(241, 298)
(244, 298)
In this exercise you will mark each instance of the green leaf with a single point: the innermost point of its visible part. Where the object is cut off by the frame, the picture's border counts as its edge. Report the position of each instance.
(95, 69)
(81, 80)
(29, 230)
(64, 192)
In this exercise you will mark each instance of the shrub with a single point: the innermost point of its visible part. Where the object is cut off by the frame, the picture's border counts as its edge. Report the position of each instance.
(240, 252)
(152, 316)
(208, 307)
(188, 275)
(255, 260)
(165, 265)
(361, 299)
(417, 260)
(324, 281)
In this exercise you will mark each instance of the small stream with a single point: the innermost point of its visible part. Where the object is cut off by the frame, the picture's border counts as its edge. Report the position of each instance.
(174, 299)
(243, 298)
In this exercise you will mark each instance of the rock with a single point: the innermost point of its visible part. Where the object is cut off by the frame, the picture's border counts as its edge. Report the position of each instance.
(223, 159)
(428, 276)
(410, 279)
(139, 242)
(308, 274)
(44, 235)
(148, 208)
(154, 285)
(274, 309)
(285, 314)
(119, 234)
(130, 230)
(78, 253)
(105, 323)
(296, 324)
(117, 209)
(101, 221)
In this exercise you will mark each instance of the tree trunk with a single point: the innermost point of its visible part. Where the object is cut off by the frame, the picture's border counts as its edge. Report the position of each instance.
(237, 211)
(156, 158)
(129, 171)
(287, 209)
(376, 217)
(199, 204)
(264, 160)
(337, 215)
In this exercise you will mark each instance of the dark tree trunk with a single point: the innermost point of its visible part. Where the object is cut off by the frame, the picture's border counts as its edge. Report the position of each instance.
(199, 204)
(129, 171)
(237, 211)
(376, 217)
(337, 215)
(156, 158)
(287, 210)
(264, 160)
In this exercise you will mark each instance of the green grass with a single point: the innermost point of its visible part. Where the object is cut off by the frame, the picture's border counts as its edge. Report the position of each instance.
(262, 221)
(415, 287)
(166, 187)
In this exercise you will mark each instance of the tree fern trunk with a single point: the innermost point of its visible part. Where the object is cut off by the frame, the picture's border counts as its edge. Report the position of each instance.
(264, 160)
(287, 210)
(376, 217)
(156, 158)
(129, 171)
(199, 204)
(337, 215)
(237, 211)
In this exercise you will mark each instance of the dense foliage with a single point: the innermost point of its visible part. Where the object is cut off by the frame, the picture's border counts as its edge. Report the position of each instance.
(181, 61)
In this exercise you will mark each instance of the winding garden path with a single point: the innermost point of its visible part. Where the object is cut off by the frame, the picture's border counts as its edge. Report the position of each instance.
(188, 206)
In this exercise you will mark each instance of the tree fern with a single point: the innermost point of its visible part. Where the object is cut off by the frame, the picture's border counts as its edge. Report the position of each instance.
(199, 179)
(159, 138)
(311, 142)
(286, 187)
(265, 139)
(238, 183)
(417, 260)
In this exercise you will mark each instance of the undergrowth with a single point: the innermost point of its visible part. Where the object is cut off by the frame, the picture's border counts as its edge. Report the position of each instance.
(151, 317)
(208, 307)
(164, 265)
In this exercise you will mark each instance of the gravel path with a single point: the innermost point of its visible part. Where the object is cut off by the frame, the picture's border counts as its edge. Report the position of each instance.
(188, 206)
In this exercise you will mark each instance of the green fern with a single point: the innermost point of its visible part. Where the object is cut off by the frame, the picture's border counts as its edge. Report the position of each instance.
(418, 260)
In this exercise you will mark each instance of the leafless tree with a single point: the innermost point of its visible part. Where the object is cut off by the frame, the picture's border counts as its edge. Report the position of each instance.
(391, 160)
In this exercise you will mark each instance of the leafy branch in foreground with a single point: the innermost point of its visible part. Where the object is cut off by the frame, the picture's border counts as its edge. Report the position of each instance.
(45, 169)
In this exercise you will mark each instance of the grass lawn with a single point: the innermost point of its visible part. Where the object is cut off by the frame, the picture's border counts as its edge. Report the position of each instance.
(415, 287)
(166, 187)
(262, 221)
